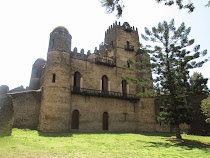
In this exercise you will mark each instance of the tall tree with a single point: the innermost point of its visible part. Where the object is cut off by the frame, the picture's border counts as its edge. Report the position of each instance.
(171, 61)
(112, 5)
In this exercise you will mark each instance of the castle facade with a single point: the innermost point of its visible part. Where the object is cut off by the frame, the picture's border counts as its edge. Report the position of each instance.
(86, 92)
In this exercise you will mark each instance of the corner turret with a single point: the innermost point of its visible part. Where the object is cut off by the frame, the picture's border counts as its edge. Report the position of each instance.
(60, 40)
(56, 93)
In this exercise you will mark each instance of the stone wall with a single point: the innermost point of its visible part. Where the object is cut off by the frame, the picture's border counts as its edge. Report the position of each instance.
(123, 115)
(26, 109)
(6, 116)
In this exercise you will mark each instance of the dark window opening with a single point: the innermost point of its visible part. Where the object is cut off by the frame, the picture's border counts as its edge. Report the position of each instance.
(128, 64)
(143, 89)
(104, 83)
(124, 87)
(161, 110)
(77, 77)
(129, 47)
(112, 44)
(142, 66)
(105, 121)
(53, 78)
(75, 120)
(128, 43)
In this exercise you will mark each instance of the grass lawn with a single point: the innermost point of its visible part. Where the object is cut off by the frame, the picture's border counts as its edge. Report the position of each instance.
(31, 144)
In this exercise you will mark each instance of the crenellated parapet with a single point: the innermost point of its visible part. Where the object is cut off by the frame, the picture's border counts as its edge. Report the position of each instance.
(125, 26)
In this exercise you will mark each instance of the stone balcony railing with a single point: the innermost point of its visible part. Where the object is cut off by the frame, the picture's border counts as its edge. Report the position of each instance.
(105, 61)
(100, 93)
(129, 48)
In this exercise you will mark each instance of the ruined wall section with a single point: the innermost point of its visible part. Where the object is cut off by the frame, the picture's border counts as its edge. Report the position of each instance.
(6, 112)
(26, 109)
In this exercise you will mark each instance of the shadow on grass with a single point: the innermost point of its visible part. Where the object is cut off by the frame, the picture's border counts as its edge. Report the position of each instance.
(184, 143)
(70, 134)
(50, 134)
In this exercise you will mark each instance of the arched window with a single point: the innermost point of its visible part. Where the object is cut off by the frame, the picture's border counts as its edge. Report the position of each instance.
(104, 83)
(105, 121)
(53, 78)
(77, 77)
(124, 87)
(75, 120)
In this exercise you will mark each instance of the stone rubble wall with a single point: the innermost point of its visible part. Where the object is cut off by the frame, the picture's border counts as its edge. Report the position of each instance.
(6, 116)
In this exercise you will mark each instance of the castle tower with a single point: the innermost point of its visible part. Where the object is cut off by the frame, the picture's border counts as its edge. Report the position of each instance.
(36, 74)
(123, 39)
(56, 94)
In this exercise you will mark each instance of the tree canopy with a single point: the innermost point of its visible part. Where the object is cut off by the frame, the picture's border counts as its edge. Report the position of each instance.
(172, 59)
(205, 107)
(198, 84)
(112, 5)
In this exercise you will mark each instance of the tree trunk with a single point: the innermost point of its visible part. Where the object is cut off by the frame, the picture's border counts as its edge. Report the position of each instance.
(178, 135)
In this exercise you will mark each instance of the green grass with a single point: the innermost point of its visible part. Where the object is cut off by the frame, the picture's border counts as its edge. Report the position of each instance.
(31, 143)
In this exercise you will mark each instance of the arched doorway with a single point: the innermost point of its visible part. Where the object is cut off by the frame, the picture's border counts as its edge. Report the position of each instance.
(104, 83)
(75, 120)
(124, 87)
(77, 77)
(105, 121)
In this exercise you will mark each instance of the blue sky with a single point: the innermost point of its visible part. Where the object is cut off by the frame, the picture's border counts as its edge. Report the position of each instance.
(26, 25)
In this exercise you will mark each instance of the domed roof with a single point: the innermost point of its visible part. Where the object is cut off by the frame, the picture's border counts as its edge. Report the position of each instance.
(60, 29)
(39, 61)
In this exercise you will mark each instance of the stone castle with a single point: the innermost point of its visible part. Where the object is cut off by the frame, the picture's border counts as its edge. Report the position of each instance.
(85, 92)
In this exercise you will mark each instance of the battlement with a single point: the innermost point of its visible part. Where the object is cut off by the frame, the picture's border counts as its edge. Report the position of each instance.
(125, 26)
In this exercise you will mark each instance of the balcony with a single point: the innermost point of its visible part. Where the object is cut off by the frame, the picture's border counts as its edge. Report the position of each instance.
(105, 61)
(100, 93)
(129, 47)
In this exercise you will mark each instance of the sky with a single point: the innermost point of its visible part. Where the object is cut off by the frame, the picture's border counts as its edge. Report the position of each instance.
(26, 25)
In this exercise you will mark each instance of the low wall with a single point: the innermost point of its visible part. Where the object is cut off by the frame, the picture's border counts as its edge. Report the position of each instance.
(26, 109)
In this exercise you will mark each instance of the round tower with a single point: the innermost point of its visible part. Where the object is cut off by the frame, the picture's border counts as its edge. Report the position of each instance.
(56, 93)
(36, 74)
(4, 89)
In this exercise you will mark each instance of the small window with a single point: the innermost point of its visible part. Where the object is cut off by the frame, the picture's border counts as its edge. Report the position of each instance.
(128, 64)
(124, 87)
(143, 89)
(53, 78)
(128, 43)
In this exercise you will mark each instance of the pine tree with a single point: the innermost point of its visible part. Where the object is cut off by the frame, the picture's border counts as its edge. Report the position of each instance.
(171, 61)
(142, 68)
